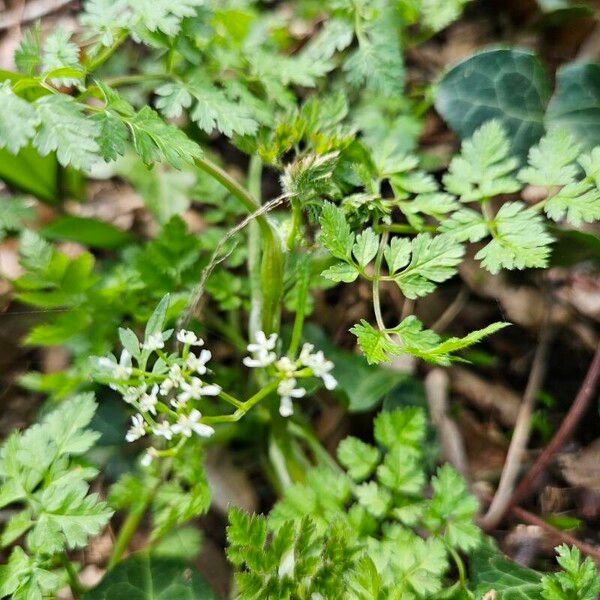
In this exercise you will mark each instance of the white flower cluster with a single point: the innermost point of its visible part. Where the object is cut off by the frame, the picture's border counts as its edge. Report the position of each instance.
(163, 396)
(288, 371)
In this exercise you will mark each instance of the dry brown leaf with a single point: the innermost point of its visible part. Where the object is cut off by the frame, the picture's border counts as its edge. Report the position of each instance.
(492, 398)
(582, 469)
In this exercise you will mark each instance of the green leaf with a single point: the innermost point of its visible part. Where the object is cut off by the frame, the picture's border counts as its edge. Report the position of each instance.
(451, 511)
(505, 84)
(575, 105)
(492, 571)
(403, 429)
(438, 14)
(59, 52)
(520, 240)
(577, 581)
(577, 202)
(365, 247)
(401, 473)
(374, 498)
(358, 458)
(397, 254)
(64, 128)
(341, 272)
(144, 577)
(112, 135)
(30, 172)
(335, 231)
(483, 169)
(374, 343)
(28, 54)
(551, 161)
(212, 108)
(87, 231)
(129, 341)
(155, 140)
(156, 322)
(378, 60)
(18, 120)
(465, 224)
(433, 260)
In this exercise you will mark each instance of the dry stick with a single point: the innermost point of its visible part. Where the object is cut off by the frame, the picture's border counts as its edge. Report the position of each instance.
(452, 311)
(527, 517)
(216, 259)
(453, 449)
(531, 519)
(31, 11)
(564, 432)
(520, 436)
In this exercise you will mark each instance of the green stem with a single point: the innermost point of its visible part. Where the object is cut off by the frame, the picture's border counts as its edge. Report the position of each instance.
(227, 181)
(304, 432)
(124, 80)
(244, 407)
(106, 52)
(296, 222)
(301, 299)
(254, 186)
(376, 279)
(271, 270)
(404, 228)
(130, 526)
(76, 588)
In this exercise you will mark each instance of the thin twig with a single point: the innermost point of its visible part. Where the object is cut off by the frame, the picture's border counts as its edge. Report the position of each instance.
(453, 449)
(452, 311)
(215, 259)
(564, 432)
(562, 536)
(31, 11)
(520, 437)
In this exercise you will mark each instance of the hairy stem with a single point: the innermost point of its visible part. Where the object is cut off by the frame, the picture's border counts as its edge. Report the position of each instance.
(130, 526)
(255, 313)
(106, 52)
(301, 299)
(76, 588)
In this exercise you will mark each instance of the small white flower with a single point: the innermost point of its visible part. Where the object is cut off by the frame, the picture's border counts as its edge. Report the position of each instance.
(166, 386)
(262, 342)
(261, 349)
(132, 394)
(198, 363)
(286, 407)
(148, 401)
(287, 387)
(189, 338)
(287, 390)
(154, 342)
(176, 375)
(190, 423)
(195, 389)
(137, 430)
(148, 457)
(321, 367)
(286, 366)
(163, 429)
(174, 380)
(118, 370)
(305, 353)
